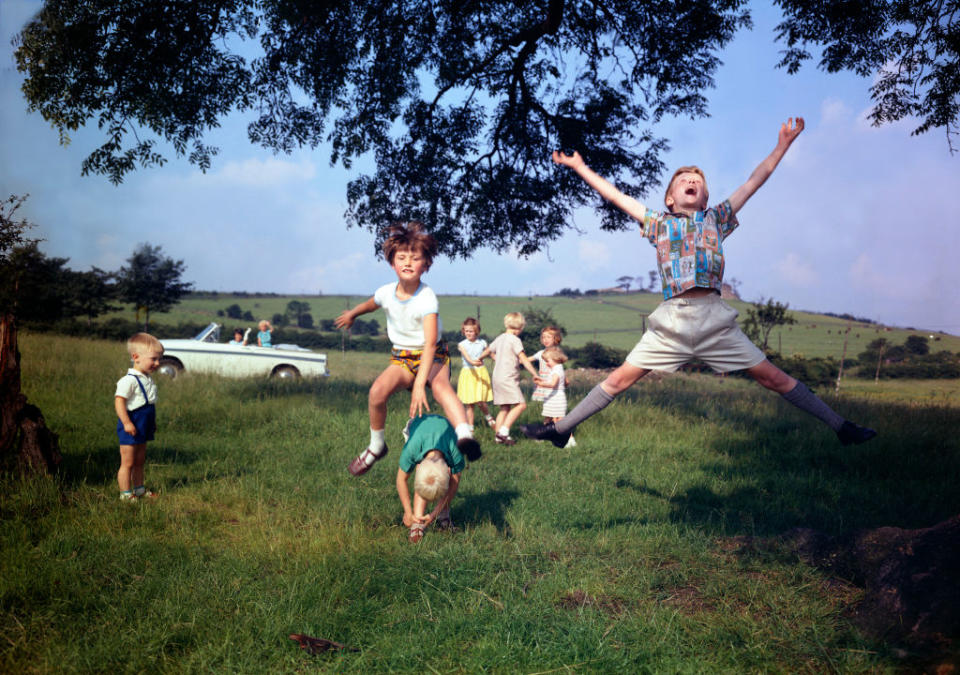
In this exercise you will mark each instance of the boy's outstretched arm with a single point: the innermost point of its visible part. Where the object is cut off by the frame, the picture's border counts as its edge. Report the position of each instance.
(788, 134)
(607, 190)
(346, 318)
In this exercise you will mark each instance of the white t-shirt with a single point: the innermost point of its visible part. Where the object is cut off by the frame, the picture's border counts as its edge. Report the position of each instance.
(405, 317)
(128, 388)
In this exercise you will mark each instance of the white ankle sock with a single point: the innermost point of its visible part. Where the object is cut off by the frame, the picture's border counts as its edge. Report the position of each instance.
(464, 430)
(377, 440)
(504, 431)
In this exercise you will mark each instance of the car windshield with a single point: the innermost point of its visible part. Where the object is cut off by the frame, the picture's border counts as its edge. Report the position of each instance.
(209, 334)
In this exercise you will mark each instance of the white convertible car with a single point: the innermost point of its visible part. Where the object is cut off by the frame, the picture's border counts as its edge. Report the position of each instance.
(206, 354)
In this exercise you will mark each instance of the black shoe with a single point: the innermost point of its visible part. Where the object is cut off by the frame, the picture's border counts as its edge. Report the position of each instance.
(546, 432)
(854, 434)
(470, 448)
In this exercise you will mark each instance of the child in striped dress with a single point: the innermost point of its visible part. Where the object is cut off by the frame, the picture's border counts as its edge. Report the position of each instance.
(554, 384)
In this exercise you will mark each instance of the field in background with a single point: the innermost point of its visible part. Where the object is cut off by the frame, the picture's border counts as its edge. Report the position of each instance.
(621, 556)
(614, 320)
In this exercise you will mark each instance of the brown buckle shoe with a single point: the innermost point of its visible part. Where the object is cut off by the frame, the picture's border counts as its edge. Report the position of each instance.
(504, 440)
(360, 465)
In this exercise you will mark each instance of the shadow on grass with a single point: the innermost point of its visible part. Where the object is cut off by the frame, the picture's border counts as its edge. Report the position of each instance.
(789, 470)
(100, 466)
(492, 506)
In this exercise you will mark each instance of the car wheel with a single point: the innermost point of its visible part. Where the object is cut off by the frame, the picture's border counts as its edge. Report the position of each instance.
(286, 373)
(170, 368)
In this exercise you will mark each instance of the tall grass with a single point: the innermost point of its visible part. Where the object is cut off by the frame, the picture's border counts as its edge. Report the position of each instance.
(620, 555)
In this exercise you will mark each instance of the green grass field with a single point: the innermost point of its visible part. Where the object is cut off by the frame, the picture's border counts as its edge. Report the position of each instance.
(619, 556)
(614, 320)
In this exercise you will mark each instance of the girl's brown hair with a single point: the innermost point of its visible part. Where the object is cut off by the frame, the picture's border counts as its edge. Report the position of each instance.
(554, 331)
(470, 321)
(411, 236)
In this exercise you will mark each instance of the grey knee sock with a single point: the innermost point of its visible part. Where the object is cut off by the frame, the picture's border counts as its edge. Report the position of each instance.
(806, 400)
(594, 402)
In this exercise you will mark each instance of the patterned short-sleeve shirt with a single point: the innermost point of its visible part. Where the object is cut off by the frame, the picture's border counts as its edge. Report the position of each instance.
(690, 248)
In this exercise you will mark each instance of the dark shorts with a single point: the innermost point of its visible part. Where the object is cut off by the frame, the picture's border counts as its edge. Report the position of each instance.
(410, 358)
(144, 419)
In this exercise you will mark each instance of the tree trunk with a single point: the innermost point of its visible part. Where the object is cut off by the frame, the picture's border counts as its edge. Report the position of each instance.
(25, 441)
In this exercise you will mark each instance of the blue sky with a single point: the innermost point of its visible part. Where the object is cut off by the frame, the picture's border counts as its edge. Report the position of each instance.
(855, 219)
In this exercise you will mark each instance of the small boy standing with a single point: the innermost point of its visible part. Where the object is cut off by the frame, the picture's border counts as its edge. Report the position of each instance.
(431, 450)
(419, 357)
(507, 350)
(135, 403)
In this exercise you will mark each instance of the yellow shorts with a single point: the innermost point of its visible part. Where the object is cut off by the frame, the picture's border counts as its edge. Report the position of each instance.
(705, 328)
(410, 358)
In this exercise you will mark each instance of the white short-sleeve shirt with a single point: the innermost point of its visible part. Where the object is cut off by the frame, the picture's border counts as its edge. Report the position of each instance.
(405, 317)
(128, 388)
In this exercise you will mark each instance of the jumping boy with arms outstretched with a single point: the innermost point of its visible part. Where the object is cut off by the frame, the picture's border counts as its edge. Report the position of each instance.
(419, 357)
(692, 321)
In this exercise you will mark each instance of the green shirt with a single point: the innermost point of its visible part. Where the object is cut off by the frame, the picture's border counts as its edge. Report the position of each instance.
(431, 432)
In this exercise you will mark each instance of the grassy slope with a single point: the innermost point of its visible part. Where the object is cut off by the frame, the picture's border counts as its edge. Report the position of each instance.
(614, 320)
(618, 557)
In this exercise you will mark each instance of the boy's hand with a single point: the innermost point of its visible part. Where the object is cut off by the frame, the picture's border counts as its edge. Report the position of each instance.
(408, 519)
(573, 161)
(418, 400)
(789, 131)
(130, 428)
(345, 320)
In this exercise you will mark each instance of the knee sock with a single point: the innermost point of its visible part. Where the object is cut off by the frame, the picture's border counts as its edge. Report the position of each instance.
(807, 401)
(595, 401)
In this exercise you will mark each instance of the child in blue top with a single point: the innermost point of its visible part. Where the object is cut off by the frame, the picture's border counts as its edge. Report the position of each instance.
(431, 451)
(693, 322)
(265, 336)
(419, 357)
(135, 404)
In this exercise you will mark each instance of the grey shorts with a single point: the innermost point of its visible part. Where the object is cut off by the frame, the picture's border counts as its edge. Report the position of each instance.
(705, 328)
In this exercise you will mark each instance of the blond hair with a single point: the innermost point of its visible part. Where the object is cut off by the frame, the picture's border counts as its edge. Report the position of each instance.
(413, 237)
(554, 331)
(140, 343)
(555, 354)
(431, 480)
(514, 321)
(686, 169)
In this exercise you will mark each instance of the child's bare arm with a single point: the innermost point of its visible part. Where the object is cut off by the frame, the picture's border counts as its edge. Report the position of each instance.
(607, 190)
(788, 134)
(120, 405)
(528, 364)
(548, 382)
(347, 317)
(418, 394)
(403, 490)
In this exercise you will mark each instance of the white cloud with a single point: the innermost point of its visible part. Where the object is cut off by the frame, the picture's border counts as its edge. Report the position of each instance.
(593, 255)
(796, 271)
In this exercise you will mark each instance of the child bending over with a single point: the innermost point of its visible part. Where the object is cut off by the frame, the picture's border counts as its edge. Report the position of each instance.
(418, 357)
(693, 322)
(431, 449)
(135, 403)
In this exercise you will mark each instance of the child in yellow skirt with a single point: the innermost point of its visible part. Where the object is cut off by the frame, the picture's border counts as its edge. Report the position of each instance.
(473, 387)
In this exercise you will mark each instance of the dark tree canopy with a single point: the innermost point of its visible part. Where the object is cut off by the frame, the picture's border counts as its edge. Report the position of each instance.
(151, 281)
(458, 102)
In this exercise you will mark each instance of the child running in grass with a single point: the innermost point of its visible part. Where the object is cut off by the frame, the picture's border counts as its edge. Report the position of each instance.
(430, 451)
(419, 357)
(473, 385)
(507, 350)
(135, 403)
(550, 336)
(553, 383)
(693, 322)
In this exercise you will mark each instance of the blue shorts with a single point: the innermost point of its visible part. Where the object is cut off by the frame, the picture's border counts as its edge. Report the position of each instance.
(144, 419)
